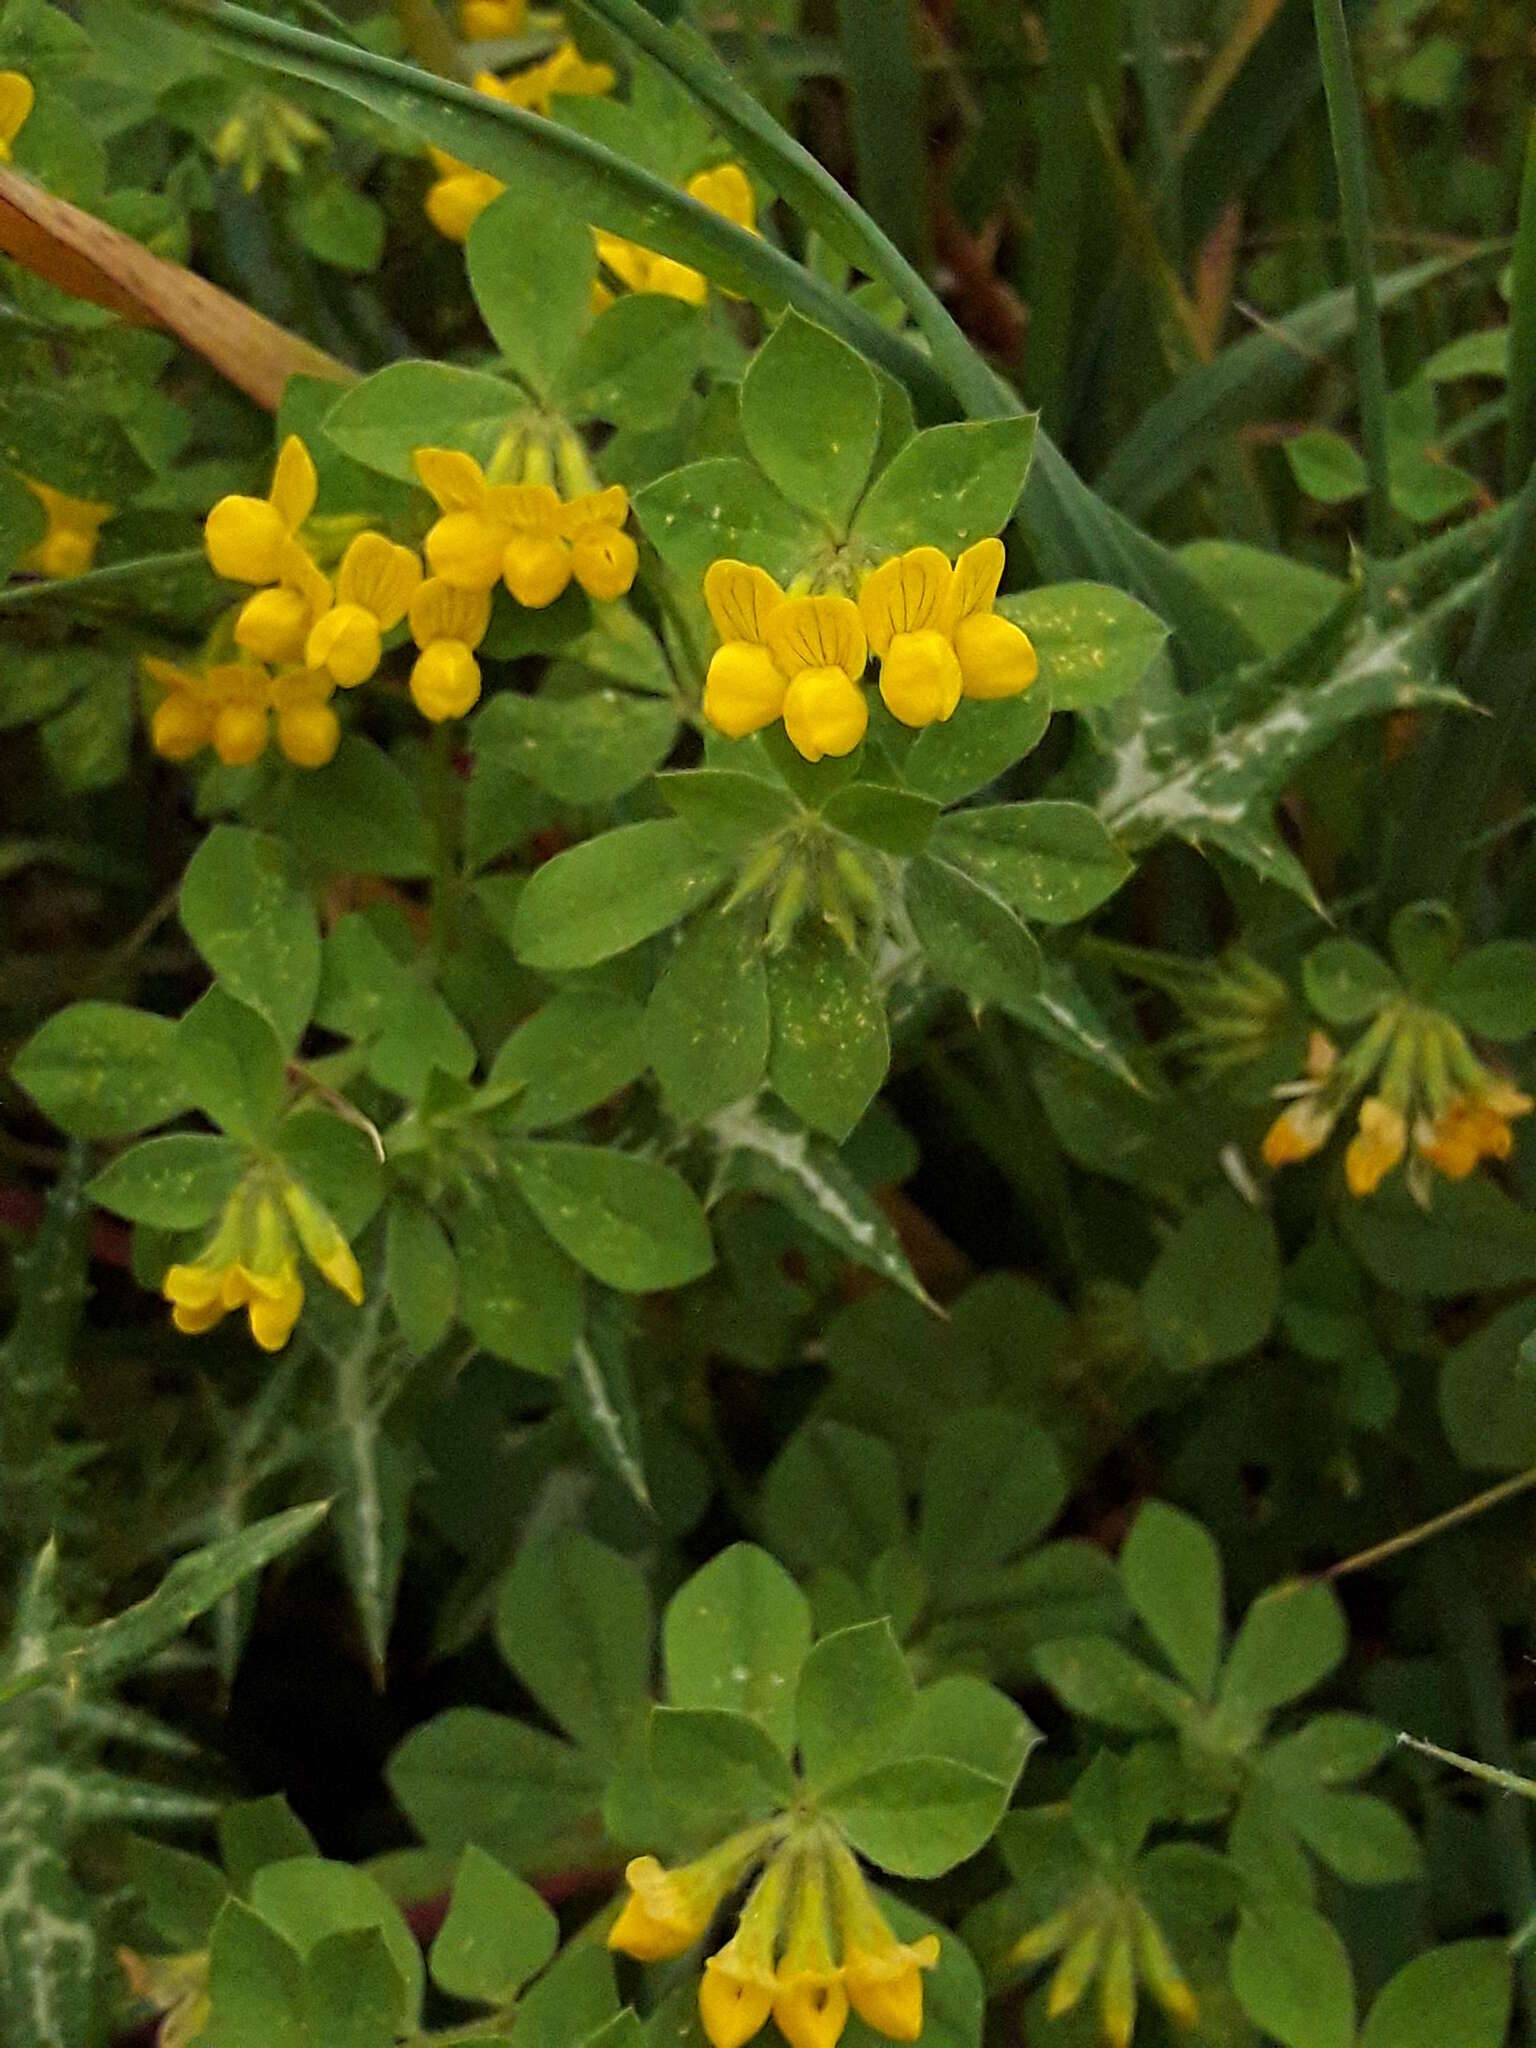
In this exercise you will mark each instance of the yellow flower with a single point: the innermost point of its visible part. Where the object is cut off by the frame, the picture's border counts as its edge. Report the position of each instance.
(274, 623)
(818, 644)
(1377, 1146)
(726, 190)
(810, 2000)
(668, 1910)
(483, 21)
(883, 1976)
(16, 99)
(228, 707)
(564, 74)
(1162, 1975)
(251, 1262)
(1117, 1993)
(447, 625)
(1075, 1972)
(997, 658)
(177, 1987)
(1302, 1128)
(458, 195)
(737, 1988)
(744, 689)
(373, 587)
(74, 524)
(248, 539)
(603, 556)
(905, 608)
(536, 560)
(1471, 1128)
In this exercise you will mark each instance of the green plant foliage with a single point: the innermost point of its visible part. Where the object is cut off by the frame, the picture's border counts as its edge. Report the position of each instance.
(743, 1085)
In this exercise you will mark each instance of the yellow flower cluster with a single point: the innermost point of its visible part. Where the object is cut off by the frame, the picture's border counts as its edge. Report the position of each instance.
(68, 548)
(726, 190)
(810, 1945)
(929, 622)
(319, 635)
(251, 1261)
(1109, 1935)
(1432, 1101)
(524, 534)
(16, 101)
(460, 194)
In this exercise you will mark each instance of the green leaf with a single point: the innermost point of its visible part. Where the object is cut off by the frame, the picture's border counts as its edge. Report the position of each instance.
(949, 486)
(855, 1696)
(574, 2001)
(1172, 1573)
(174, 1183)
(23, 522)
(898, 821)
(335, 1161)
(1472, 1239)
(585, 748)
(531, 267)
(830, 1042)
(421, 1274)
(993, 1482)
(1459, 1993)
(599, 1391)
(724, 507)
(497, 1935)
(52, 436)
(1094, 643)
(256, 1831)
(101, 1070)
(358, 815)
(1492, 989)
(977, 744)
(1326, 466)
(633, 1223)
(1487, 1400)
(308, 1899)
(833, 1497)
(735, 1637)
(920, 1816)
(609, 893)
(1361, 1839)
(1483, 353)
(1095, 1677)
(810, 415)
(720, 1764)
(474, 1777)
(574, 1621)
(726, 810)
(1214, 1288)
(577, 1050)
(1347, 982)
(1331, 1749)
(350, 1997)
(707, 1024)
(519, 1294)
(971, 940)
(254, 926)
(193, 1584)
(231, 1066)
(763, 1152)
(636, 363)
(254, 1979)
(382, 421)
(1290, 1640)
(1051, 861)
(341, 226)
(1292, 1976)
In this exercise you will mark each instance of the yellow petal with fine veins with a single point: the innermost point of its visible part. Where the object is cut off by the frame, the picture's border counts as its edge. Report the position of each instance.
(817, 633)
(977, 575)
(908, 594)
(740, 599)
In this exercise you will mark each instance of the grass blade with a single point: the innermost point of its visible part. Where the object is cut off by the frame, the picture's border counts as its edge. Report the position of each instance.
(1348, 133)
(1520, 447)
(1181, 432)
(879, 46)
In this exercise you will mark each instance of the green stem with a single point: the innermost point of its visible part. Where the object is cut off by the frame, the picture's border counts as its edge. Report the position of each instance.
(1349, 155)
(1466, 1629)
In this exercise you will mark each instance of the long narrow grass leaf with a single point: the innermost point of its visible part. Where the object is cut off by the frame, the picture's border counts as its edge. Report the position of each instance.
(879, 45)
(1349, 155)
(1520, 447)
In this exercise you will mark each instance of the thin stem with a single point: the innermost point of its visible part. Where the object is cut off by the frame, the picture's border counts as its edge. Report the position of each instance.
(1394, 1546)
(1349, 155)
